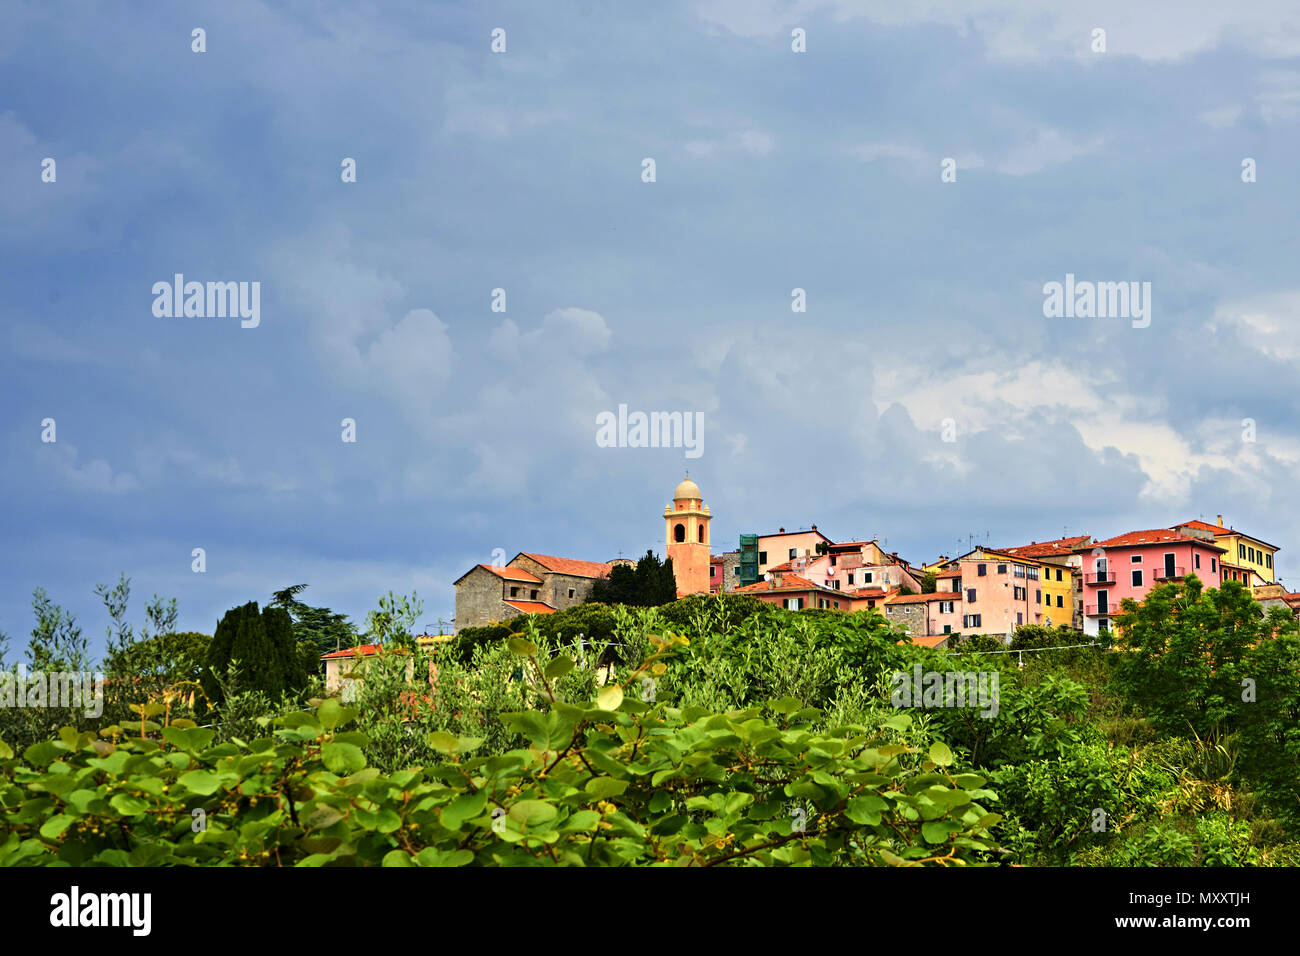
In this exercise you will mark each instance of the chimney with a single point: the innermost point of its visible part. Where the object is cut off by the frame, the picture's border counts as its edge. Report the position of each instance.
(780, 530)
(814, 527)
(1220, 521)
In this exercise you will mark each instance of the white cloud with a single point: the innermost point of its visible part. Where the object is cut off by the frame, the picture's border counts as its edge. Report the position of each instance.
(1222, 117)
(1158, 30)
(96, 475)
(752, 141)
(1043, 148)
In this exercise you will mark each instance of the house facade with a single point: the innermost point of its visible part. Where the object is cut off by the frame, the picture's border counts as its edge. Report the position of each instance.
(529, 584)
(1250, 558)
(1129, 565)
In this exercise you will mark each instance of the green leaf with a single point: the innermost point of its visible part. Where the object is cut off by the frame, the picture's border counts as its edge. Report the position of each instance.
(342, 758)
(464, 807)
(532, 812)
(940, 753)
(200, 782)
(865, 809)
(609, 697)
(522, 647)
(602, 788)
(53, 828)
(128, 805)
(442, 742)
(559, 666)
(332, 714)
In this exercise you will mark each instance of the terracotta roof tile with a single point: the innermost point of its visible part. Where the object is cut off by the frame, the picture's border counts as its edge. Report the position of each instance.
(581, 569)
(924, 598)
(1153, 536)
(531, 607)
(511, 574)
(365, 649)
(1041, 549)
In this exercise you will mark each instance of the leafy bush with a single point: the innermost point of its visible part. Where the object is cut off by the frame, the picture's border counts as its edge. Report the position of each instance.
(609, 782)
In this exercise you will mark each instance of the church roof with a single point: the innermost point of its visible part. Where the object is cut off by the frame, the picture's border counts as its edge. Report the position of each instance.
(581, 569)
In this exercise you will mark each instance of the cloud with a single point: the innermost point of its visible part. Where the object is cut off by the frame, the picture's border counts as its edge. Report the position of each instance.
(1222, 117)
(753, 142)
(95, 475)
(1157, 31)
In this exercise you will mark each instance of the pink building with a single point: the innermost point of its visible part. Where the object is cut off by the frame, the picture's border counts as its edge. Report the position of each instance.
(1129, 565)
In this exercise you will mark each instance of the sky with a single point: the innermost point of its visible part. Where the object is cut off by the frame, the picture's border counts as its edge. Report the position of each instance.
(922, 395)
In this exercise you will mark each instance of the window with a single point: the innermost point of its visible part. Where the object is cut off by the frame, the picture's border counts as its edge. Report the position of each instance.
(1103, 625)
(1038, 597)
(514, 592)
(970, 595)
(1241, 550)
(947, 628)
(699, 533)
(1058, 574)
(571, 590)
(735, 572)
(1136, 559)
(981, 570)
(679, 532)
(1137, 579)
(832, 560)
(866, 578)
(713, 570)
(1002, 569)
(945, 607)
(837, 604)
(532, 595)
(836, 585)
(1020, 618)
(1268, 561)
(1196, 560)
(1214, 565)
(850, 577)
(1017, 594)
(1018, 570)
(794, 604)
(1250, 553)
(1060, 602)
(970, 620)
(762, 557)
(794, 553)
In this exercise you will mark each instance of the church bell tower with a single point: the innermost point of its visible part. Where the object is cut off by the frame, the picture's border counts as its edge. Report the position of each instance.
(686, 536)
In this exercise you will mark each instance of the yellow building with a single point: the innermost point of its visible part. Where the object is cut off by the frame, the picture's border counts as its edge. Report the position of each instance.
(1243, 550)
(1049, 587)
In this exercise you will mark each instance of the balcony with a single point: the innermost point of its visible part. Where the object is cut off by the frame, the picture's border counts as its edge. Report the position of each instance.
(1100, 610)
(1100, 577)
(1165, 574)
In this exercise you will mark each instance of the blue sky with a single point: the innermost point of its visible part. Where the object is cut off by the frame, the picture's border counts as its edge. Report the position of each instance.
(775, 170)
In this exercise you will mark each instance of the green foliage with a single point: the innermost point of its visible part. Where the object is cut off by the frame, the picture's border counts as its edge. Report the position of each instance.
(320, 627)
(649, 584)
(929, 583)
(262, 642)
(394, 622)
(607, 782)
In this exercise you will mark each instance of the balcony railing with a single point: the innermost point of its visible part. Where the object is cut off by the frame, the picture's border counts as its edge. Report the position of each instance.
(1100, 577)
(1100, 610)
(1164, 574)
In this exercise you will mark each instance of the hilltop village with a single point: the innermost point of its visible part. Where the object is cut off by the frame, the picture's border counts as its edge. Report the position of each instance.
(1076, 582)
